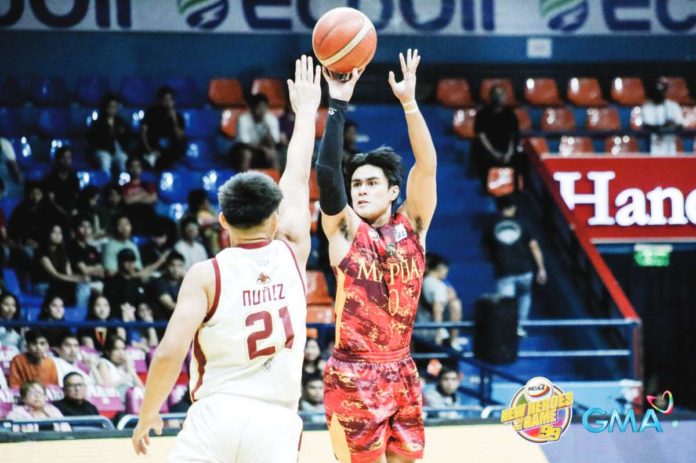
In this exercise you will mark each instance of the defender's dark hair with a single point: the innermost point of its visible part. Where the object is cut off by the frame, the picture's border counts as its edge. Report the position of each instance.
(383, 157)
(247, 199)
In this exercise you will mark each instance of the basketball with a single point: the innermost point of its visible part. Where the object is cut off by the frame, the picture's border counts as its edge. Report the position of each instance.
(343, 39)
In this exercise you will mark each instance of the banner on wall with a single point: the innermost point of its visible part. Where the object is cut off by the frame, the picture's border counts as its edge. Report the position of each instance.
(448, 17)
(631, 198)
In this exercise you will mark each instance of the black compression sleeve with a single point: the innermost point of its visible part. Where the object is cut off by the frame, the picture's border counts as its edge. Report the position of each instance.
(332, 189)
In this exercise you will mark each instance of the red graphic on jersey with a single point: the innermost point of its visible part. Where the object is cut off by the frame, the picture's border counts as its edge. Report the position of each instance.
(383, 278)
(378, 405)
(263, 279)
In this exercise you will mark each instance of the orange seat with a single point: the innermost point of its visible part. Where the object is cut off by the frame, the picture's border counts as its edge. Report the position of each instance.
(463, 122)
(604, 119)
(320, 314)
(313, 186)
(487, 84)
(621, 145)
(539, 145)
(226, 93)
(637, 118)
(523, 119)
(274, 89)
(273, 173)
(542, 92)
(585, 91)
(678, 91)
(571, 146)
(320, 123)
(689, 117)
(559, 119)
(454, 93)
(228, 122)
(317, 290)
(628, 91)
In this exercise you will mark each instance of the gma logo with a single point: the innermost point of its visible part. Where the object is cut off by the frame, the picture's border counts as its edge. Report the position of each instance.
(598, 425)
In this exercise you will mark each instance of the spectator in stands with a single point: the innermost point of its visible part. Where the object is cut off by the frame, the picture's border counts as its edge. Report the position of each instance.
(99, 309)
(126, 287)
(350, 140)
(241, 157)
(199, 208)
(515, 253)
(188, 246)
(85, 259)
(437, 296)
(445, 394)
(162, 131)
(53, 273)
(88, 206)
(497, 134)
(121, 240)
(36, 406)
(260, 129)
(313, 364)
(139, 198)
(156, 248)
(111, 209)
(116, 369)
(9, 310)
(61, 183)
(74, 402)
(183, 405)
(165, 289)
(149, 337)
(53, 310)
(110, 136)
(662, 118)
(34, 364)
(9, 169)
(313, 398)
(68, 360)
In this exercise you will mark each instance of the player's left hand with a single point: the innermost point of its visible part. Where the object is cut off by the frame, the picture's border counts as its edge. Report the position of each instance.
(305, 90)
(405, 90)
(141, 433)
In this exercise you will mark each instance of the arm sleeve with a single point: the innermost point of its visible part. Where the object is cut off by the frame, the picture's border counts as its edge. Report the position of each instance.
(332, 189)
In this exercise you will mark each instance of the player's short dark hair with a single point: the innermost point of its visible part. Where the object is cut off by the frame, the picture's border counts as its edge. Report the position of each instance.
(256, 99)
(248, 199)
(383, 157)
(164, 91)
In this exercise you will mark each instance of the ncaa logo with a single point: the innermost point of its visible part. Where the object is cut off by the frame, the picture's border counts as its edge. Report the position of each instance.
(203, 14)
(564, 15)
(538, 388)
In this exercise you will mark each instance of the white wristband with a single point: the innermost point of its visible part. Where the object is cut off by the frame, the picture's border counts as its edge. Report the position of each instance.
(410, 107)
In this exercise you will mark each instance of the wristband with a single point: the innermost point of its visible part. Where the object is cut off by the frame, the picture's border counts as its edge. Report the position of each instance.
(410, 107)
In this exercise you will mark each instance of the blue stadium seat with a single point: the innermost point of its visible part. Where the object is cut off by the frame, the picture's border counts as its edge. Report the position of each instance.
(50, 91)
(174, 185)
(91, 89)
(200, 153)
(75, 314)
(11, 281)
(37, 172)
(134, 116)
(139, 240)
(186, 92)
(201, 122)
(7, 204)
(95, 178)
(146, 176)
(23, 151)
(10, 91)
(55, 123)
(137, 91)
(213, 179)
(11, 123)
(30, 313)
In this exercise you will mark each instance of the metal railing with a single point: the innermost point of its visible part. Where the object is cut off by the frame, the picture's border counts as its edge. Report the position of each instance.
(77, 423)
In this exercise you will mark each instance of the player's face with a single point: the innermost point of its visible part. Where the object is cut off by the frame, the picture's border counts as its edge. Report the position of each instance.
(370, 192)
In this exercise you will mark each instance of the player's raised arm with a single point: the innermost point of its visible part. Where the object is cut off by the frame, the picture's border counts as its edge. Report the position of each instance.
(421, 191)
(305, 96)
(337, 215)
(192, 306)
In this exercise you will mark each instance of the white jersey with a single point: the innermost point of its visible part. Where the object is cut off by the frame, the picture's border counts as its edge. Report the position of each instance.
(251, 344)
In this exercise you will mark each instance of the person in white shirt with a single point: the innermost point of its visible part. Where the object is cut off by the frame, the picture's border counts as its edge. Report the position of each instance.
(437, 296)
(260, 129)
(69, 360)
(188, 246)
(662, 118)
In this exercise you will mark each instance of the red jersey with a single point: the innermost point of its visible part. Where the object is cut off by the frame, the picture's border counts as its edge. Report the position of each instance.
(378, 285)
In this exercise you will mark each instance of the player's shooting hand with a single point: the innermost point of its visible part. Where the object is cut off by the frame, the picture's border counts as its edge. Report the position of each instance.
(141, 433)
(341, 89)
(305, 90)
(405, 90)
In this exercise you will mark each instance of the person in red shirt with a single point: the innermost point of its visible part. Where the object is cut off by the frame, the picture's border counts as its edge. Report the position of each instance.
(34, 364)
(139, 197)
(372, 391)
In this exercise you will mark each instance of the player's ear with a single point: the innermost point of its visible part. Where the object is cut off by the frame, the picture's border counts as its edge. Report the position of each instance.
(223, 221)
(394, 191)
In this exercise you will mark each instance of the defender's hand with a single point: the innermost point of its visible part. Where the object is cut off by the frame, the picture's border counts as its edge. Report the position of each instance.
(305, 91)
(405, 90)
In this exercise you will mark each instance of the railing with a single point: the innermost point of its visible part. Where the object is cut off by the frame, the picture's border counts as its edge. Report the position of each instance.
(77, 423)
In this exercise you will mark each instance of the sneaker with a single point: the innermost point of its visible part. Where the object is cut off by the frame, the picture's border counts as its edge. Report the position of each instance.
(521, 332)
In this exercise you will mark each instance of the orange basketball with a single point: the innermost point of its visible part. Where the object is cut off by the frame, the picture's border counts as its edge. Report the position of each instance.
(343, 39)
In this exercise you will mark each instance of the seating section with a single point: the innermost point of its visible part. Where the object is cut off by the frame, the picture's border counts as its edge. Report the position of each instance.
(678, 91)
(226, 93)
(621, 145)
(605, 119)
(505, 84)
(571, 146)
(463, 122)
(274, 89)
(628, 91)
(454, 93)
(585, 91)
(559, 119)
(542, 92)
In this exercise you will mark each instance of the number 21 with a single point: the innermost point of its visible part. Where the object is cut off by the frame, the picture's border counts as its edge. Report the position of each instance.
(266, 332)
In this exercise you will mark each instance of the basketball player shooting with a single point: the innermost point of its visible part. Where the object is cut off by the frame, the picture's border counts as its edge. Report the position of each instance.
(245, 310)
(372, 390)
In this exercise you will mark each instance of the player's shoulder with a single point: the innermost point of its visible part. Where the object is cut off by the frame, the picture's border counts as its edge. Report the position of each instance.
(203, 272)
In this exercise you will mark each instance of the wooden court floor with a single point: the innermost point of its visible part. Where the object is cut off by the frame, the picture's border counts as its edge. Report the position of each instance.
(473, 443)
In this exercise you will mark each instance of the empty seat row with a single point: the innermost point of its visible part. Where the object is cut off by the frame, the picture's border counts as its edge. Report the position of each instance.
(568, 145)
(581, 91)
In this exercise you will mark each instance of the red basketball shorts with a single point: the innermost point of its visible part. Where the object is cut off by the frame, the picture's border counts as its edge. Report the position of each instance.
(373, 404)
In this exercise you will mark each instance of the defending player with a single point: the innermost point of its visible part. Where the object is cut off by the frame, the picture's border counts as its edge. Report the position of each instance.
(372, 389)
(244, 310)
